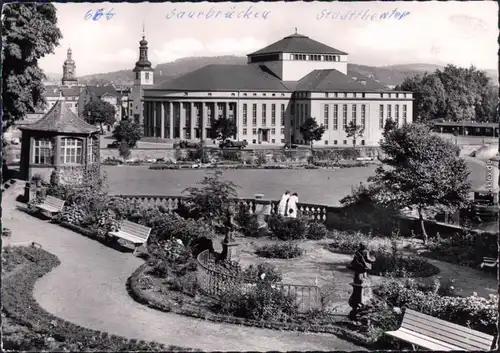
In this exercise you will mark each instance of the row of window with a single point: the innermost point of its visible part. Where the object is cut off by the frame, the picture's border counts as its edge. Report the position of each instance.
(335, 142)
(315, 57)
(70, 151)
(254, 131)
(244, 94)
(384, 115)
(137, 75)
(353, 95)
(263, 114)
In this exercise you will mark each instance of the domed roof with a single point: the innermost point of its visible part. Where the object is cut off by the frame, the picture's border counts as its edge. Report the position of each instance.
(143, 42)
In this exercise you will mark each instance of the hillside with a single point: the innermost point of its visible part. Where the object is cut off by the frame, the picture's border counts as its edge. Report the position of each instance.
(387, 75)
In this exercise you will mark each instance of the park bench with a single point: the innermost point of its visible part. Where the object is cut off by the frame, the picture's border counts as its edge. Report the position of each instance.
(489, 262)
(51, 205)
(135, 233)
(433, 334)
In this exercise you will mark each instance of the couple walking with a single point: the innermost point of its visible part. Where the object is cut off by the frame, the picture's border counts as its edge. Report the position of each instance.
(288, 205)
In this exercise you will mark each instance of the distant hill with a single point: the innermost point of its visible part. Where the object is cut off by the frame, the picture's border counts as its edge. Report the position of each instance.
(388, 75)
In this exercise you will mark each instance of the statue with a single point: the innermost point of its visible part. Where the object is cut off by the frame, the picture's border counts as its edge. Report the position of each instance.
(229, 226)
(361, 264)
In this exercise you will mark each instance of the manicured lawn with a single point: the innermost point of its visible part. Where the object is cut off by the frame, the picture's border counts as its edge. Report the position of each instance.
(313, 186)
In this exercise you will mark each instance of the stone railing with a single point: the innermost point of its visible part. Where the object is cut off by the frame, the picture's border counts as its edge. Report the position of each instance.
(313, 211)
(212, 281)
(331, 216)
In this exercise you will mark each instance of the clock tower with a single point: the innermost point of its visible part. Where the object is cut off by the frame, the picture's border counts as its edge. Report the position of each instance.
(69, 71)
(143, 77)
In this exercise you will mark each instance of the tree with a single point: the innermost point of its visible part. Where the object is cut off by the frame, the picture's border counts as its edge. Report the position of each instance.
(389, 126)
(99, 112)
(128, 131)
(213, 199)
(354, 131)
(311, 131)
(29, 32)
(422, 172)
(223, 128)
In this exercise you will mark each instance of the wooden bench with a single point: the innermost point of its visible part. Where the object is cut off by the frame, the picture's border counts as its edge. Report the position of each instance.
(135, 233)
(438, 335)
(489, 262)
(51, 205)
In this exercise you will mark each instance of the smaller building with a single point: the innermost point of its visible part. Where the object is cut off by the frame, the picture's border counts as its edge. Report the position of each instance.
(63, 143)
(467, 128)
(71, 95)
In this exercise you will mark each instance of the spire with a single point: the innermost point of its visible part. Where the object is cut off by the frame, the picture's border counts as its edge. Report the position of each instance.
(295, 30)
(143, 31)
(68, 54)
(143, 62)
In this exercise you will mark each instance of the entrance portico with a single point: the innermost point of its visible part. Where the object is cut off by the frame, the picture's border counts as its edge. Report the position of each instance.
(263, 135)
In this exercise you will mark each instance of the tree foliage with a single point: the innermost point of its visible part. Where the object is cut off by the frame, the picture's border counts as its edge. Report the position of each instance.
(389, 125)
(127, 130)
(311, 131)
(422, 172)
(29, 32)
(97, 111)
(213, 199)
(456, 94)
(223, 128)
(353, 130)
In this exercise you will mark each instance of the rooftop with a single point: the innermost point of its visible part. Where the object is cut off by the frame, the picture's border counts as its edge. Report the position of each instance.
(332, 80)
(61, 119)
(99, 91)
(298, 43)
(220, 77)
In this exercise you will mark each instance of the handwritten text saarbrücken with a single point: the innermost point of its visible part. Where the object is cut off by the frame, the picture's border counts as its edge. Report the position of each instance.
(234, 13)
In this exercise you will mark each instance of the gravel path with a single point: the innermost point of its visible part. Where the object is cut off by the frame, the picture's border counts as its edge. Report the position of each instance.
(88, 289)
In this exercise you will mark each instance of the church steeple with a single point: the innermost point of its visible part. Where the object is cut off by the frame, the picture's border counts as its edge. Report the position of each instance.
(69, 70)
(143, 64)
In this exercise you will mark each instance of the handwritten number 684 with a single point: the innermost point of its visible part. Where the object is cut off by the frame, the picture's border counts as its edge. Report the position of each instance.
(95, 16)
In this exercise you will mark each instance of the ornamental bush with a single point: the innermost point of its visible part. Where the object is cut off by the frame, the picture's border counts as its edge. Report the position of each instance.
(346, 242)
(316, 230)
(388, 263)
(475, 312)
(287, 250)
(285, 228)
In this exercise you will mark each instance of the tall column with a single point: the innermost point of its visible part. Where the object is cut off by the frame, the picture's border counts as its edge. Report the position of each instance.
(226, 107)
(170, 120)
(162, 132)
(182, 124)
(146, 118)
(203, 123)
(153, 119)
(193, 120)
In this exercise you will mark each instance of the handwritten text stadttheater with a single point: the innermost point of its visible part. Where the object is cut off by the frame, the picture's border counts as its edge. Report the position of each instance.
(365, 15)
(233, 13)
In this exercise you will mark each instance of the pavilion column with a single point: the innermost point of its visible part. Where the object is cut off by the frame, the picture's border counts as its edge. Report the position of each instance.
(153, 119)
(170, 113)
(182, 124)
(163, 118)
(226, 108)
(57, 150)
(193, 120)
(147, 117)
(203, 124)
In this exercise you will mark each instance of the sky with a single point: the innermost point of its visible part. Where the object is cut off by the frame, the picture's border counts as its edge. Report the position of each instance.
(460, 33)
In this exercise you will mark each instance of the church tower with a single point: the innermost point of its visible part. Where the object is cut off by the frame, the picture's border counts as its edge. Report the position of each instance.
(69, 71)
(143, 77)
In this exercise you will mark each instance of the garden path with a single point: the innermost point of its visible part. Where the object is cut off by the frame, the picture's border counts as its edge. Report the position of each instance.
(88, 289)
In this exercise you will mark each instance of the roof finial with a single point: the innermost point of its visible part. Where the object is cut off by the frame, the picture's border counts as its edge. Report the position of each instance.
(143, 31)
(295, 30)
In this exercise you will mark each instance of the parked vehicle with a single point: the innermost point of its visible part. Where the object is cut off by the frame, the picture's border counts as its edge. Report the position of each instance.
(233, 144)
(185, 144)
(288, 146)
(114, 144)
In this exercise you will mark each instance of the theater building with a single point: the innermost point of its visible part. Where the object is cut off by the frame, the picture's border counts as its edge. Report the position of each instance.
(271, 96)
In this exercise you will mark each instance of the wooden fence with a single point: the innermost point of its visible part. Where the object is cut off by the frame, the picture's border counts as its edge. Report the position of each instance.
(212, 281)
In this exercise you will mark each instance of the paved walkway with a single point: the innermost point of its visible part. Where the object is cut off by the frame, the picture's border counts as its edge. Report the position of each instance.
(88, 289)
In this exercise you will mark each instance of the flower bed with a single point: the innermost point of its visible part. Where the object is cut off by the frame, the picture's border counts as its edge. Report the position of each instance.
(47, 331)
(280, 251)
(145, 289)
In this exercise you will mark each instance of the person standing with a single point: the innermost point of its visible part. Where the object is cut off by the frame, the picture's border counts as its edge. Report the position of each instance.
(292, 205)
(283, 205)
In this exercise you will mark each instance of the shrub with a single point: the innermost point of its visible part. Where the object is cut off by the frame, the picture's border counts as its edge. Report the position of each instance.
(316, 230)
(128, 131)
(387, 263)
(124, 150)
(228, 155)
(287, 228)
(111, 161)
(263, 302)
(280, 251)
(248, 224)
(346, 242)
(271, 273)
(260, 158)
(475, 312)
(163, 166)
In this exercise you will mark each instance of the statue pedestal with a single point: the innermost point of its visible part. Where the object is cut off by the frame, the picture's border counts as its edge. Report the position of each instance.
(227, 249)
(361, 295)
